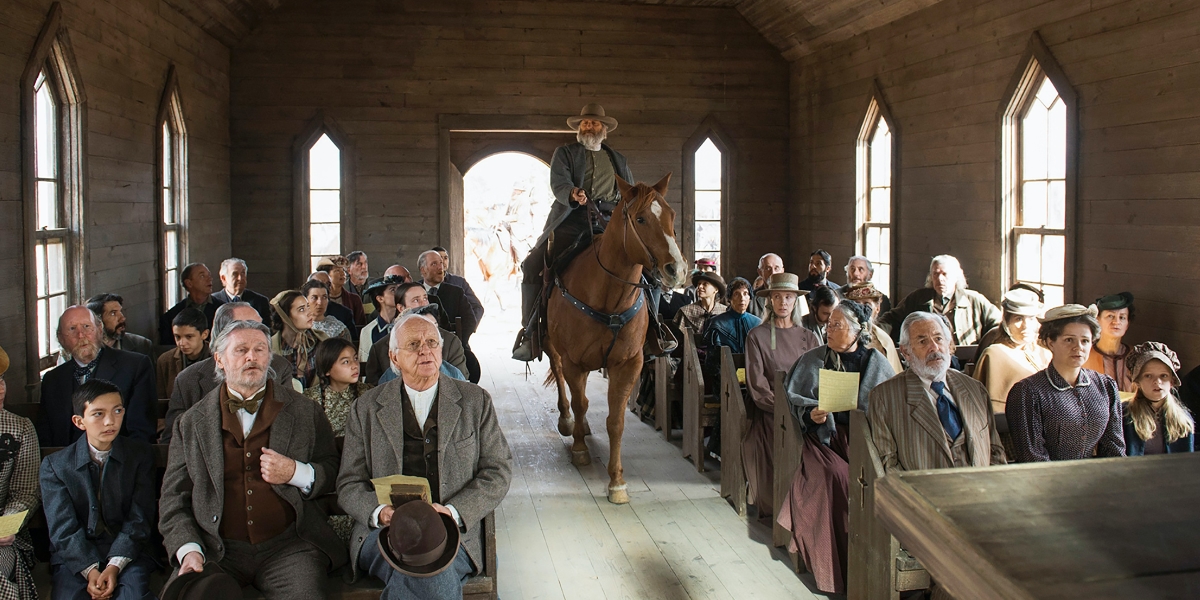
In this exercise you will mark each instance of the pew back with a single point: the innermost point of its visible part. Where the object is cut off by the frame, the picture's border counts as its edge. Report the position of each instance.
(733, 430)
(789, 445)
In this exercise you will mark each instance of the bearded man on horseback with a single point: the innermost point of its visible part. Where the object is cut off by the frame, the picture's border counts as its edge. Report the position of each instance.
(583, 178)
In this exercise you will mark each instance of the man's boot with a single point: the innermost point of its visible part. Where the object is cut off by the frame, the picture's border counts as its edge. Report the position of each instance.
(523, 349)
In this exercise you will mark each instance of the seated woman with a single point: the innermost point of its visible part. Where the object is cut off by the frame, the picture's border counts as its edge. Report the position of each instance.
(19, 458)
(865, 293)
(730, 327)
(1065, 411)
(710, 288)
(317, 295)
(1015, 353)
(1156, 421)
(773, 346)
(1108, 356)
(294, 337)
(816, 509)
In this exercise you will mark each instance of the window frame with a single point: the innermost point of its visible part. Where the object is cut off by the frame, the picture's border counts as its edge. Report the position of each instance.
(170, 115)
(52, 55)
(877, 109)
(321, 124)
(1036, 65)
(709, 129)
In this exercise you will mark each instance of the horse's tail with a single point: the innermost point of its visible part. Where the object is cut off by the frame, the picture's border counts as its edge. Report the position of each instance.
(551, 375)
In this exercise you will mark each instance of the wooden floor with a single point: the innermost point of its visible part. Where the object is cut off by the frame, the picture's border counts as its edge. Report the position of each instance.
(558, 536)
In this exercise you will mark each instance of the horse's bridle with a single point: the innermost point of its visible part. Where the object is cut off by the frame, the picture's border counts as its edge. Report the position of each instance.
(625, 246)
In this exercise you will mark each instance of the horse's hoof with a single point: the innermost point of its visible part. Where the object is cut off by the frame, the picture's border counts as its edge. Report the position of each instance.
(581, 458)
(566, 427)
(618, 495)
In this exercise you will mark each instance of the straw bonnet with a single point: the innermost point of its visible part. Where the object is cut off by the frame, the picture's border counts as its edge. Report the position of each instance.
(420, 541)
(716, 280)
(1142, 354)
(782, 282)
(858, 292)
(1023, 302)
(596, 113)
(3, 361)
(1067, 311)
(1114, 301)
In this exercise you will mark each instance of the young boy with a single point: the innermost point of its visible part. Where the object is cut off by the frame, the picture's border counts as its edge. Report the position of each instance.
(190, 328)
(98, 495)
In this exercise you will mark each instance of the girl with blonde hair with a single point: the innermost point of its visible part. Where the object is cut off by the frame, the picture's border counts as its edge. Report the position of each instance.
(1156, 422)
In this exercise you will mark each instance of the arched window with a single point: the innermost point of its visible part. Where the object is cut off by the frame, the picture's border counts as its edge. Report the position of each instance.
(708, 159)
(324, 206)
(709, 192)
(1038, 179)
(875, 191)
(172, 178)
(52, 106)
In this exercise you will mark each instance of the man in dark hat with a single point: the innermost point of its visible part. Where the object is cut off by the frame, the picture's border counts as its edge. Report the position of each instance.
(379, 292)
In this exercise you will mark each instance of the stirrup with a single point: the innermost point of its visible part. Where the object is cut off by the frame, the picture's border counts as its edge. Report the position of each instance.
(661, 344)
(523, 347)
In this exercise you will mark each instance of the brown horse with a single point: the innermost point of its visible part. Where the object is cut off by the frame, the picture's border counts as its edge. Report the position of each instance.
(604, 279)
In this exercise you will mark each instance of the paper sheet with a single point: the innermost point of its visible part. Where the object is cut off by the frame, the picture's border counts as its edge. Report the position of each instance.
(741, 376)
(11, 524)
(837, 391)
(1125, 396)
(383, 486)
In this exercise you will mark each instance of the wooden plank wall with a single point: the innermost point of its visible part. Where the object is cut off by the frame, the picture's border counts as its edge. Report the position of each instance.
(384, 71)
(1135, 65)
(122, 49)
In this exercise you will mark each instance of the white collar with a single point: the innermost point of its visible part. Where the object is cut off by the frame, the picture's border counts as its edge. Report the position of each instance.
(234, 393)
(98, 456)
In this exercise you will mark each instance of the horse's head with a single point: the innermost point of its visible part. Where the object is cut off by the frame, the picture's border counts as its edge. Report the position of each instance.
(651, 221)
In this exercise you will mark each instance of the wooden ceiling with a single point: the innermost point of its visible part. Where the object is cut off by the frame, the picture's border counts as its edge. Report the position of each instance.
(796, 27)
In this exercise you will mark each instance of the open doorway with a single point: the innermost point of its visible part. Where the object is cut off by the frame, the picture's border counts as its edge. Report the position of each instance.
(506, 198)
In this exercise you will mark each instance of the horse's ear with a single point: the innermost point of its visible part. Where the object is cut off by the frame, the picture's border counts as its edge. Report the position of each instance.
(661, 186)
(624, 187)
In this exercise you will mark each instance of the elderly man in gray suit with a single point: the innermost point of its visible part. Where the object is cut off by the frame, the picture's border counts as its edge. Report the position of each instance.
(246, 465)
(197, 380)
(930, 416)
(427, 425)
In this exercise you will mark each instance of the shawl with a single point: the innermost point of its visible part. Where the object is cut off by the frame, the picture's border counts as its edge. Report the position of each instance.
(803, 382)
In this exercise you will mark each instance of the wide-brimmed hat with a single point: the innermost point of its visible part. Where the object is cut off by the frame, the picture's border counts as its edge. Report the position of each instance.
(1067, 311)
(3, 361)
(595, 112)
(858, 292)
(379, 283)
(420, 541)
(330, 261)
(1114, 301)
(1144, 353)
(212, 582)
(1023, 302)
(716, 280)
(782, 282)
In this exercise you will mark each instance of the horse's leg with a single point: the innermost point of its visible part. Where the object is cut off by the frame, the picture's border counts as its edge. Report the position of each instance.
(576, 379)
(564, 408)
(621, 379)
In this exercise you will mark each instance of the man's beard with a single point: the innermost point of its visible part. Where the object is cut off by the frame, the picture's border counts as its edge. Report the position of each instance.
(931, 373)
(247, 379)
(591, 141)
(86, 351)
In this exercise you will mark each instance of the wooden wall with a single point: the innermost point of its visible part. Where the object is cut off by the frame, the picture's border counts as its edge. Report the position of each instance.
(1135, 65)
(122, 49)
(384, 71)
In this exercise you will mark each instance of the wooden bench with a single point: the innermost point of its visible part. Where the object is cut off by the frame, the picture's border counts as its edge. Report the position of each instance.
(700, 409)
(734, 423)
(667, 389)
(789, 446)
(877, 567)
(966, 356)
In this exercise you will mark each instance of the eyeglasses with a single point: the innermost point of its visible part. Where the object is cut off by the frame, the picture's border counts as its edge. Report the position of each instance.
(839, 326)
(416, 345)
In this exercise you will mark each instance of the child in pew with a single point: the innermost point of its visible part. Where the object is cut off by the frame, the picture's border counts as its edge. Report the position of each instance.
(98, 495)
(190, 328)
(18, 493)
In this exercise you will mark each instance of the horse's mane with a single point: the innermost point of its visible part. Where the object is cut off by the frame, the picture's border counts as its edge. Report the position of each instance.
(644, 194)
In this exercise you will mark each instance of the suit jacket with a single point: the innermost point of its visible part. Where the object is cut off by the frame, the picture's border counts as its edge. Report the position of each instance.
(73, 514)
(193, 488)
(472, 299)
(166, 337)
(343, 314)
(132, 342)
(259, 302)
(908, 435)
(378, 362)
(169, 366)
(195, 382)
(973, 314)
(130, 372)
(474, 462)
(452, 302)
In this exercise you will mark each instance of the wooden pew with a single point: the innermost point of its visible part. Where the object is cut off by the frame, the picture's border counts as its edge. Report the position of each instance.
(789, 444)
(966, 356)
(667, 389)
(877, 567)
(733, 430)
(700, 409)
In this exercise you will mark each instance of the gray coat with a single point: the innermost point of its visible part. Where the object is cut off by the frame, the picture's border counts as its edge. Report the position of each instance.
(803, 383)
(474, 462)
(568, 169)
(196, 381)
(973, 314)
(193, 488)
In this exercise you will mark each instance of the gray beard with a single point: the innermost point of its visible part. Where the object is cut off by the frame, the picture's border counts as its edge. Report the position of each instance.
(931, 373)
(591, 141)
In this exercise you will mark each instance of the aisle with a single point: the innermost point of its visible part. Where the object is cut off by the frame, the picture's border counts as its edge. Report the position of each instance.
(559, 537)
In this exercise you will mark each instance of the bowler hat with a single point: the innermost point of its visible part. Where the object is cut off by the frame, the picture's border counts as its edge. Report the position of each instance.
(212, 582)
(420, 541)
(782, 282)
(716, 280)
(596, 113)
(380, 283)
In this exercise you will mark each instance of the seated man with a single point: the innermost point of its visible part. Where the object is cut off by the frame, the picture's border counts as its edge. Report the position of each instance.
(821, 302)
(191, 346)
(133, 374)
(233, 287)
(359, 271)
(448, 434)
(197, 282)
(98, 495)
(452, 303)
(768, 264)
(410, 296)
(945, 293)
(111, 310)
(381, 293)
(246, 466)
(860, 270)
(197, 380)
(446, 369)
(819, 265)
(460, 281)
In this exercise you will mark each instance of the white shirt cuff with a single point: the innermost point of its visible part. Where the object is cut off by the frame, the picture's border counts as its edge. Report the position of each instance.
(457, 517)
(304, 477)
(90, 568)
(187, 549)
(120, 562)
(375, 516)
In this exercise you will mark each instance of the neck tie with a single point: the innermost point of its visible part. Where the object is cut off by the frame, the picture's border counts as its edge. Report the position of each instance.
(249, 404)
(83, 374)
(236, 299)
(947, 412)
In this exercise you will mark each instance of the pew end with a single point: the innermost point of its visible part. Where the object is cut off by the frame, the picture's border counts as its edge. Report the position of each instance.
(698, 410)
(733, 431)
(788, 450)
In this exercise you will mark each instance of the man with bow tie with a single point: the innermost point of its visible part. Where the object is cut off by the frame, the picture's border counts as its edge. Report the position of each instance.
(246, 465)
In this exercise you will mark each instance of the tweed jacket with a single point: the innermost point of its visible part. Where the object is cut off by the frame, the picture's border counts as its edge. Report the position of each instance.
(257, 301)
(193, 488)
(568, 169)
(474, 462)
(908, 435)
(195, 382)
(132, 373)
(973, 314)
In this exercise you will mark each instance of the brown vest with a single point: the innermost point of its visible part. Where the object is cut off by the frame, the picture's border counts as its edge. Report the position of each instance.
(253, 512)
(958, 450)
(421, 448)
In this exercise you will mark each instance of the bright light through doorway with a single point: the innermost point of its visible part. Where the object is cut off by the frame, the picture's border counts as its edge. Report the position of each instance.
(506, 198)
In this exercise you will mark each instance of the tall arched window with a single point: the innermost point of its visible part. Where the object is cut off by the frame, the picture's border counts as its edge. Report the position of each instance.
(875, 188)
(709, 191)
(324, 207)
(1038, 180)
(52, 107)
(172, 177)
(708, 159)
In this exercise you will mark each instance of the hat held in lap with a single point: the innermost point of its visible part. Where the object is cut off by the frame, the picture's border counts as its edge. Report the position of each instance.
(420, 541)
